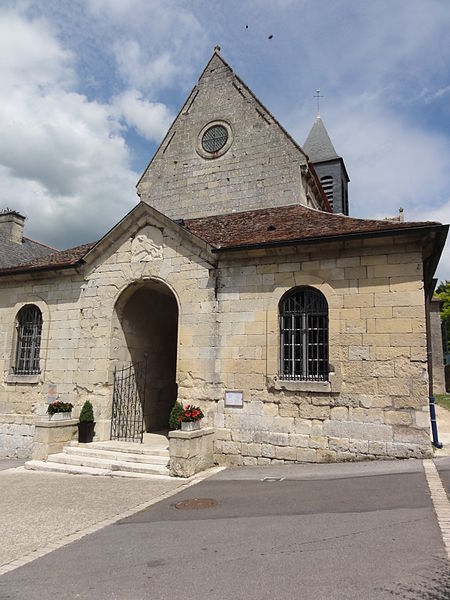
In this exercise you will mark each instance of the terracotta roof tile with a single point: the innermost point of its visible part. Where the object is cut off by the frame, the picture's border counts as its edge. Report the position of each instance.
(285, 224)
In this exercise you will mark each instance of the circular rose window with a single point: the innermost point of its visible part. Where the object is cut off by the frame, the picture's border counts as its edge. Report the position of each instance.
(214, 138)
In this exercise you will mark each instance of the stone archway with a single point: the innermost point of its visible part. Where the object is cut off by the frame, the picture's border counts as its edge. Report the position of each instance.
(145, 327)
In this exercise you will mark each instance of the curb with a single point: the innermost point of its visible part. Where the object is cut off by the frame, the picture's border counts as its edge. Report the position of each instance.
(440, 501)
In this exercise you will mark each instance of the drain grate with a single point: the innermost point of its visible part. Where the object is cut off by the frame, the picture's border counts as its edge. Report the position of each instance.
(196, 504)
(272, 479)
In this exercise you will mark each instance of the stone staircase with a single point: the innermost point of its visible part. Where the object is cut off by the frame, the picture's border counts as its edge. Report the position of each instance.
(149, 460)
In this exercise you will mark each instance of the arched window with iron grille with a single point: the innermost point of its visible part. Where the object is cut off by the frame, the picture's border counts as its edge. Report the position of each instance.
(29, 331)
(304, 335)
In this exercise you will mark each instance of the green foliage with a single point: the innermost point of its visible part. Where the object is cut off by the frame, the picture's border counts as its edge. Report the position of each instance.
(443, 291)
(443, 400)
(87, 413)
(175, 414)
(59, 407)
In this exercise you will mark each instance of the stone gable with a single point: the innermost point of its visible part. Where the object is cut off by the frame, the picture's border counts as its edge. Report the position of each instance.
(262, 168)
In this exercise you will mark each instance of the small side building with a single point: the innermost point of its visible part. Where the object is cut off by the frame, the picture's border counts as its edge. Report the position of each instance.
(301, 333)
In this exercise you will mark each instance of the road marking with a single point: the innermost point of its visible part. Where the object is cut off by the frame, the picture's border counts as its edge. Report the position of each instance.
(440, 501)
(73, 537)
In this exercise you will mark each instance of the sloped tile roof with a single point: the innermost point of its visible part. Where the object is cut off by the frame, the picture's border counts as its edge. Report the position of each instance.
(255, 228)
(12, 253)
(56, 259)
(286, 224)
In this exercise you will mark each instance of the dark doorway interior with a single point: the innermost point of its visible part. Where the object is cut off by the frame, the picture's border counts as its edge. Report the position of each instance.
(148, 327)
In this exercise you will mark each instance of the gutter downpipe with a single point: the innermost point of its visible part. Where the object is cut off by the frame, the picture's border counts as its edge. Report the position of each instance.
(434, 431)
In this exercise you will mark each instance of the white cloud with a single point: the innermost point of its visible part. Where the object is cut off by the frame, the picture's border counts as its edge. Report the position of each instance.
(140, 69)
(158, 44)
(150, 119)
(63, 159)
(393, 163)
(64, 154)
(440, 214)
(30, 56)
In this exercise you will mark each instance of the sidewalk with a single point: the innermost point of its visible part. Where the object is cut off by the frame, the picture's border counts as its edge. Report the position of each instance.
(38, 509)
(443, 426)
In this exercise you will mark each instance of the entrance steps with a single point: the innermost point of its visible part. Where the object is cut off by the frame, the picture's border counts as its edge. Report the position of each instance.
(114, 459)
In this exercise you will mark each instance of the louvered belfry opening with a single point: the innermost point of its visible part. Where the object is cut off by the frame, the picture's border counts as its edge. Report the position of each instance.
(327, 184)
(29, 331)
(304, 336)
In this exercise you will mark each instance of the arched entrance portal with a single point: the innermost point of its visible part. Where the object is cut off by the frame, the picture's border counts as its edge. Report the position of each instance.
(145, 331)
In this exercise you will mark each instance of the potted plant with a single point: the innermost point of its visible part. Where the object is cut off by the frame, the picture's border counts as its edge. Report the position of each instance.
(175, 414)
(190, 418)
(59, 411)
(86, 424)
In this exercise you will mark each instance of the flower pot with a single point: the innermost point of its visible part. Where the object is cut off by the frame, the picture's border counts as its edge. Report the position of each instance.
(190, 425)
(86, 432)
(60, 416)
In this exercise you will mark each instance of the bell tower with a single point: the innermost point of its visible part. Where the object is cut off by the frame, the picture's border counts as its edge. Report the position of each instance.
(329, 166)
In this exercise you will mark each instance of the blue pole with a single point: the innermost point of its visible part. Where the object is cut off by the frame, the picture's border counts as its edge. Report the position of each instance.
(434, 431)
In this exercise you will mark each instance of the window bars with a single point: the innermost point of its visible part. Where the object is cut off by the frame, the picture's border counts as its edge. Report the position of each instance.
(29, 330)
(304, 336)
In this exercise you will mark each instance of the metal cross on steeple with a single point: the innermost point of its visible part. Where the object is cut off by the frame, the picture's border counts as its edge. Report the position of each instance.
(318, 96)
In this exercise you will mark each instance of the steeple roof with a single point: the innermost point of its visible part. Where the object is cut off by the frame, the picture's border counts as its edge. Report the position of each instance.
(318, 145)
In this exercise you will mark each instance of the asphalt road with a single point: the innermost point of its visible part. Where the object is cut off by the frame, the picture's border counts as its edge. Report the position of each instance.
(365, 531)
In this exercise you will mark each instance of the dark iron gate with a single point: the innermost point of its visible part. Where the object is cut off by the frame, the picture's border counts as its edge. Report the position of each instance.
(127, 421)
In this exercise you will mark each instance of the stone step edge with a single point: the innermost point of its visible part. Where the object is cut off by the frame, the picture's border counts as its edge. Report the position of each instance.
(140, 448)
(101, 463)
(113, 455)
(40, 465)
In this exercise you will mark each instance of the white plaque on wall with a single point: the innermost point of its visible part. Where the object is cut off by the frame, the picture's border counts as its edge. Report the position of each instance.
(234, 398)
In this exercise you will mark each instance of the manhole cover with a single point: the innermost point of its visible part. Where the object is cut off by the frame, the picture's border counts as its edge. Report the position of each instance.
(196, 504)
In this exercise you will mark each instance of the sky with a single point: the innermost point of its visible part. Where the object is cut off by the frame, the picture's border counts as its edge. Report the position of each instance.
(89, 88)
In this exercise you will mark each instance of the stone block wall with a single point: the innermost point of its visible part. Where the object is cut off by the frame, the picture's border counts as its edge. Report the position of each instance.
(80, 348)
(437, 351)
(376, 402)
(16, 436)
(50, 437)
(191, 451)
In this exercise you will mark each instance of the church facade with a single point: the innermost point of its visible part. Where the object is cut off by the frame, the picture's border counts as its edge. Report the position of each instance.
(301, 332)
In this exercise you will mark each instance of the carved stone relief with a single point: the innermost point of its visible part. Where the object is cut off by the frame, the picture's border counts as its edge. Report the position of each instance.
(147, 245)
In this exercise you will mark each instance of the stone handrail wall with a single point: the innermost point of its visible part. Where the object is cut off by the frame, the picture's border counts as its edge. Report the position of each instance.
(190, 451)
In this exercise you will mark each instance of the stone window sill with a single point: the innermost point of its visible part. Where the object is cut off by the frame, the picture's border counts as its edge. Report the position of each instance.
(301, 386)
(24, 379)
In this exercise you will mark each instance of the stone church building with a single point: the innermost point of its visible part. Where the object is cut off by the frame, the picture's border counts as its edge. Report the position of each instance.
(238, 283)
